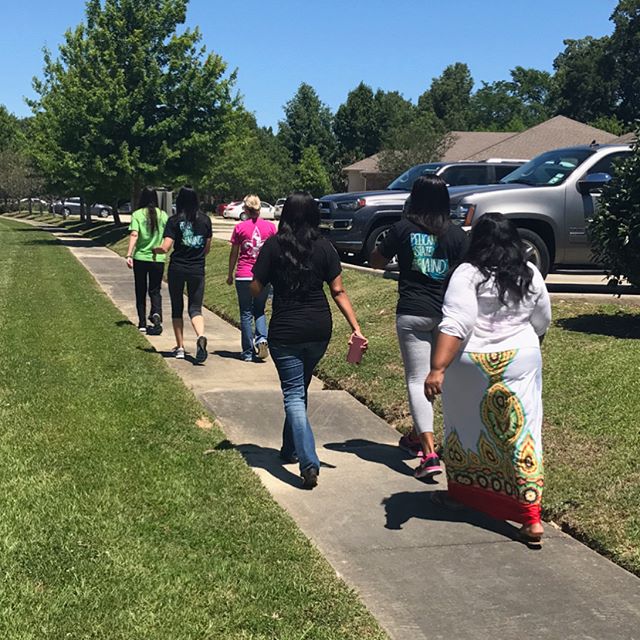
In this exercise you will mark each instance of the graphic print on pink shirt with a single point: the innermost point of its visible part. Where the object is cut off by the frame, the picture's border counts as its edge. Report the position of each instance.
(250, 235)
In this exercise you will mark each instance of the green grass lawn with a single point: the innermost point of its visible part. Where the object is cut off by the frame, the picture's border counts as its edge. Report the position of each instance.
(120, 517)
(591, 396)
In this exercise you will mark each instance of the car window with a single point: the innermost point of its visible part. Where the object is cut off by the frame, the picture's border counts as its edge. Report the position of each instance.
(609, 163)
(550, 168)
(406, 180)
(455, 176)
(503, 170)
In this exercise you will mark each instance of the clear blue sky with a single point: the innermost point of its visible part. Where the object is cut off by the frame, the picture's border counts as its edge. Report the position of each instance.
(331, 44)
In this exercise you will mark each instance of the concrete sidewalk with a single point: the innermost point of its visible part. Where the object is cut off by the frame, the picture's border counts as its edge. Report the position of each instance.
(424, 572)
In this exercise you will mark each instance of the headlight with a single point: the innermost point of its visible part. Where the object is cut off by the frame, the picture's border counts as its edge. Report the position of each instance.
(351, 205)
(463, 213)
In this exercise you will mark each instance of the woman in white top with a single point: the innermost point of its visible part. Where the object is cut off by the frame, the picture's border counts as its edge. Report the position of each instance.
(496, 311)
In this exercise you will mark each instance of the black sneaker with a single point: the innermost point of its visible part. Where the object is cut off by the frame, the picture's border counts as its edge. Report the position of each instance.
(201, 349)
(156, 325)
(309, 478)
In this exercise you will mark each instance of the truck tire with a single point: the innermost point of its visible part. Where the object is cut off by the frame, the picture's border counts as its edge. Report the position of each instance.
(537, 249)
(104, 213)
(374, 239)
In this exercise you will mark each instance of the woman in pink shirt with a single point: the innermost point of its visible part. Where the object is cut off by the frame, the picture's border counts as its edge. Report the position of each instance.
(246, 241)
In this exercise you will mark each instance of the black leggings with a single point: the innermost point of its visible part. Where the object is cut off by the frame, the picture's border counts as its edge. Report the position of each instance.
(195, 293)
(147, 274)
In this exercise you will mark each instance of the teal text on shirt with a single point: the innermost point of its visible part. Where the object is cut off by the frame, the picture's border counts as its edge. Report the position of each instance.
(423, 246)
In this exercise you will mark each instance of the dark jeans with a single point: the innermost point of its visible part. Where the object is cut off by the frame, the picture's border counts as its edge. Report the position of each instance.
(295, 364)
(148, 276)
(195, 293)
(251, 311)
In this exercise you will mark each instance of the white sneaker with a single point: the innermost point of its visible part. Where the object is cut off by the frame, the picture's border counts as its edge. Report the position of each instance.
(179, 353)
(262, 350)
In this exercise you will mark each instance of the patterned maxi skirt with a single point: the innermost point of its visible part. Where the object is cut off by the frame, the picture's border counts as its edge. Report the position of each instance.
(492, 404)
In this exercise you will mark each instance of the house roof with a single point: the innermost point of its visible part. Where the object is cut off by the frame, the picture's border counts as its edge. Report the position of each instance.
(627, 138)
(468, 143)
(557, 132)
(366, 165)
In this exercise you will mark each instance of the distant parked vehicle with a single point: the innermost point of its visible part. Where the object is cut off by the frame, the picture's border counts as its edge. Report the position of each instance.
(220, 209)
(235, 210)
(277, 208)
(70, 206)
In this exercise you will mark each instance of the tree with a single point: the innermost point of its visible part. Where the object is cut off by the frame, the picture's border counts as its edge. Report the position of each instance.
(311, 174)
(392, 111)
(533, 88)
(614, 229)
(425, 139)
(11, 131)
(584, 81)
(625, 51)
(449, 97)
(17, 177)
(355, 124)
(307, 122)
(129, 101)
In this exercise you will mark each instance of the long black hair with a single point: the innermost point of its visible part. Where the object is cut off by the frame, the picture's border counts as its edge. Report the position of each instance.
(429, 205)
(297, 233)
(496, 250)
(187, 203)
(149, 199)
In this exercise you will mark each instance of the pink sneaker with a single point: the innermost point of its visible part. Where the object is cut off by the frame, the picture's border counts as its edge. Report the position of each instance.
(429, 466)
(411, 444)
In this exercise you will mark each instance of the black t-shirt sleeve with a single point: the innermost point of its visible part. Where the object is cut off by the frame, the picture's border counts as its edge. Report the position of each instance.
(460, 245)
(171, 228)
(263, 266)
(390, 245)
(333, 266)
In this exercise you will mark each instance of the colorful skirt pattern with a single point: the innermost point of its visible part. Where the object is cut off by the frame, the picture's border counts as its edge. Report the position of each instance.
(492, 404)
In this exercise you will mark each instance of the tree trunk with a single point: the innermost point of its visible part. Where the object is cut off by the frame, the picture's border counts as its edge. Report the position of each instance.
(116, 214)
(30, 207)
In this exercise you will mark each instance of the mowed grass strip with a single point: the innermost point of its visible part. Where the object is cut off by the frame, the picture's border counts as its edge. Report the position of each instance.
(591, 397)
(122, 514)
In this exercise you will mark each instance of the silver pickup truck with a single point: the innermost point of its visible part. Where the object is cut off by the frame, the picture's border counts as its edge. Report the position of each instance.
(550, 198)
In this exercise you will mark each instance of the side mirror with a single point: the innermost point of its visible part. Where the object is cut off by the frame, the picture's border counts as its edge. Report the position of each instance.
(593, 182)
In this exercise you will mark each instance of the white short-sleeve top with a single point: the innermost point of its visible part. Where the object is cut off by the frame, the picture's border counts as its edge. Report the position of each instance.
(473, 313)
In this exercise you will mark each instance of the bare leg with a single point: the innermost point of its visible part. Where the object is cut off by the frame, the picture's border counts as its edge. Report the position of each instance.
(426, 439)
(198, 325)
(178, 329)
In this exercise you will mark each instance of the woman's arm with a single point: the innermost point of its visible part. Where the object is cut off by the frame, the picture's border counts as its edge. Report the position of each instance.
(444, 352)
(255, 288)
(165, 247)
(133, 239)
(377, 260)
(341, 299)
(207, 247)
(233, 259)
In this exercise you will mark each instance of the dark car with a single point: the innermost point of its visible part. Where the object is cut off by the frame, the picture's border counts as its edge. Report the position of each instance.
(356, 222)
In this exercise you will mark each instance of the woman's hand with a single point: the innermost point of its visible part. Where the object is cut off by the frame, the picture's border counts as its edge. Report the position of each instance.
(129, 260)
(433, 384)
(358, 334)
(229, 280)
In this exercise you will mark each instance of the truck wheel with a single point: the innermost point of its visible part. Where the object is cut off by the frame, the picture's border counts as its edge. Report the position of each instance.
(375, 238)
(104, 213)
(537, 250)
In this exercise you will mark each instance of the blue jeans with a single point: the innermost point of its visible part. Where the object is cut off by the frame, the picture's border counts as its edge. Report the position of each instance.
(251, 310)
(295, 364)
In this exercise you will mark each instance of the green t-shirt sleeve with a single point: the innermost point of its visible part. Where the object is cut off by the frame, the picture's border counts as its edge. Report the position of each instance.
(134, 225)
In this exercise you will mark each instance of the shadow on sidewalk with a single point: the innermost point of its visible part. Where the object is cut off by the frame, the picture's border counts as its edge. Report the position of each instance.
(389, 455)
(402, 507)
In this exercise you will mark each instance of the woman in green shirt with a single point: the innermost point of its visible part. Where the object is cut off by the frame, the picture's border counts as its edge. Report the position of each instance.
(147, 229)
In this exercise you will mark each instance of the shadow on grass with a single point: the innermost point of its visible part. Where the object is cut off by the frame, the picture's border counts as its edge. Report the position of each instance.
(620, 325)
(389, 455)
(404, 506)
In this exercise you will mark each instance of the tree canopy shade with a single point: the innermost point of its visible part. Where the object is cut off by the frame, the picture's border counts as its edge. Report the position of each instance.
(311, 175)
(449, 97)
(130, 100)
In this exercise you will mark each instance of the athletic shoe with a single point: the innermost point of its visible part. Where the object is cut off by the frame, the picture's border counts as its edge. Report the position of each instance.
(411, 444)
(156, 322)
(429, 466)
(142, 329)
(201, 349)
(262, 350)
(179, 353)
(309, 478)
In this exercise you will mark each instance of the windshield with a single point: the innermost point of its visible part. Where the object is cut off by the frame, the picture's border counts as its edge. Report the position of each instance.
(406, 180)
(550, 168)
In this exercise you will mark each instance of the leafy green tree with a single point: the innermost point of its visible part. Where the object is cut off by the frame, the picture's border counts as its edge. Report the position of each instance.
(425, 139)
(625, 51)
(533, 88)
(494, 107)
(251, 160)
(449, 97)
(130, 100)
(307, 122)
(311, 174)
(584, 82)
(615, 227)
(355, 124)
(17, 176)
(11, 132)
(611, 124)
(392, 111)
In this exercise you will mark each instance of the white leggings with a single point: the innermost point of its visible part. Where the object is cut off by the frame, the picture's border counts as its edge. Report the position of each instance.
(415, 335)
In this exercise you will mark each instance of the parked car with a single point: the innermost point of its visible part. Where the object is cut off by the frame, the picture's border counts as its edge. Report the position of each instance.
(69, 206)
(356, 222)
(236, 211)
(277, 208)
(550, 199)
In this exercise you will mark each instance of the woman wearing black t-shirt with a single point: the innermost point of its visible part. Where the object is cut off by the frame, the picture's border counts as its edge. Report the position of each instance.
(189, 233)
(297, 261)
(428, 246)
